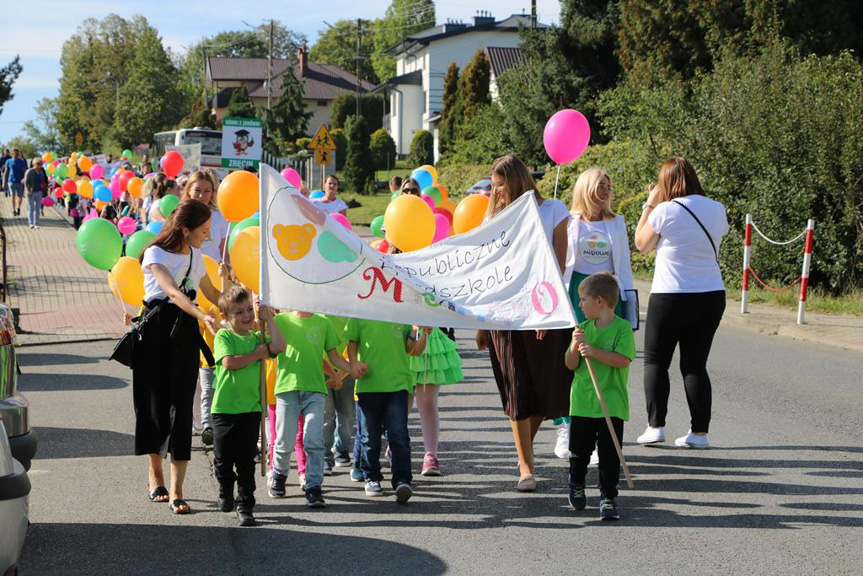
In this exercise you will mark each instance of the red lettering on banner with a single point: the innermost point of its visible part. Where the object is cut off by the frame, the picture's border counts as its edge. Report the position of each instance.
(375, 275)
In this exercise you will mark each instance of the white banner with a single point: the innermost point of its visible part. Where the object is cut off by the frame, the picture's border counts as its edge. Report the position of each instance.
(191, 154)
(500, 276)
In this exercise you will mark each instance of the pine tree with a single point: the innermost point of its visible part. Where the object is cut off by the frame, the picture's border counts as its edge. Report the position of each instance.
(201, 116)
(288, 118)
(359, 165)
(475, 84)
(450, 113)
(149, 100)
(240, 106)
(8, 75)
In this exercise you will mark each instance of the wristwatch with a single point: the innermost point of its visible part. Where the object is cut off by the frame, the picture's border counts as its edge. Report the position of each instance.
(645, 206)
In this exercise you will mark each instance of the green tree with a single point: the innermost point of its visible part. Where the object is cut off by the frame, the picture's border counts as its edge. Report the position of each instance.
(402, 18)
(359, 164)
(337, 45)
(383, 149)
(43, 131)
(288, 119)
(28, 147)
(345, 106)
(8, 75)
(341, 141)
(149, 101)
(475, 84)
(200, 117)
(450, 114)
(480, 139)
(422, 149)
(240, 106)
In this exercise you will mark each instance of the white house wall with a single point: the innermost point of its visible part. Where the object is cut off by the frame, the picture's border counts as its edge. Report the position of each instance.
(406, 115)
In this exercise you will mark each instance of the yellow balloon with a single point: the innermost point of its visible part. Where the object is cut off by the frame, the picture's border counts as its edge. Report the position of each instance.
(49, 168)
(409, 223)
(469, 213)
(47, 157)
(85, 189)
(431, 170)
(73, 158)
(100, 204)
(127, 281)
(213, 274)
(85, 164)
(246, 257)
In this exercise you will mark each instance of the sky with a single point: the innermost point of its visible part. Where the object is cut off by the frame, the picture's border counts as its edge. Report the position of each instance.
(38, 38)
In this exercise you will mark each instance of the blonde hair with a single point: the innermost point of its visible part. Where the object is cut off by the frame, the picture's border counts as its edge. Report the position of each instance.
(518, 181)
(585, 195)
(202, 175)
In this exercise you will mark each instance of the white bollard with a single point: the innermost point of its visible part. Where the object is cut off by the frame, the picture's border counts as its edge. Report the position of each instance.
(807, 262)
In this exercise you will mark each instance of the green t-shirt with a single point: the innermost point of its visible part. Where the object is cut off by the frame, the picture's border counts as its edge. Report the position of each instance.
(300, 367)
(236, 391)
(339, 323)
(616, 337)
(381, 346)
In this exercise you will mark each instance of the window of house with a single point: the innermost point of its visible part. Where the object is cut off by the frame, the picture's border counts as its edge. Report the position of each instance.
(322, 102)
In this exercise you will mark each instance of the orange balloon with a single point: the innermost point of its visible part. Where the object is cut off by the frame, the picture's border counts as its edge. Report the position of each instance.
(85, 189)
(409, 223)
(443, 194)
(238, 196)
(213, 274)
(47, 157)
(127, 281)
(135, 186)
(85, 164)
(246, 256)
(446, 203)
(100, 204)
(469, 213)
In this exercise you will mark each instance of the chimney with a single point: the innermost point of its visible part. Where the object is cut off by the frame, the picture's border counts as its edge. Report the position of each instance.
(483, 18)
(301, 59)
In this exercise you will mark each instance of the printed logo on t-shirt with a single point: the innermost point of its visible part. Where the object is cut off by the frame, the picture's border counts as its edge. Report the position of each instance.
(314, 335)
(594, 248)
(397, 331)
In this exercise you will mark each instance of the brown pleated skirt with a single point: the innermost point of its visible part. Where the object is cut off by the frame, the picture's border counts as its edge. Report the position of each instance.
(530, 374)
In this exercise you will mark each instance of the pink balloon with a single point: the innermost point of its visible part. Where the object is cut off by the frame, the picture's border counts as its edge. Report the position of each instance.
(116, 191)
(566, 136)
(293, 177)
(97, 171)
(341, 219)
(91, 215)
(441, 227)
(126, 225)
(429, 200)
(47, 201)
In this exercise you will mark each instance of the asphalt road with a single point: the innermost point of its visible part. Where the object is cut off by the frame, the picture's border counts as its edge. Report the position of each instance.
(781, 491)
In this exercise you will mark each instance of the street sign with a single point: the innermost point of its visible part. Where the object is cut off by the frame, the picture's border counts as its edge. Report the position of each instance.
(242, 142)
(322, 140)
(323, 156)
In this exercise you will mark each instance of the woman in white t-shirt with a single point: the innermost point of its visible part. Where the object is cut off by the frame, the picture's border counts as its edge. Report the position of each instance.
(687, 298)
(165, 364)
(528, 367)
(329, 203)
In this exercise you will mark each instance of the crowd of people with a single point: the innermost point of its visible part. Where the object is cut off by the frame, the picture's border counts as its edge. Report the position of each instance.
(336, 386)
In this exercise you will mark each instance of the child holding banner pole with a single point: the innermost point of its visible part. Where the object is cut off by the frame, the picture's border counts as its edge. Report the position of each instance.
(607, 344)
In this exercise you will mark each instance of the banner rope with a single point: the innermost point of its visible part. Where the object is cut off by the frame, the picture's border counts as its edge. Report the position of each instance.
(770, 288)
(774, 242)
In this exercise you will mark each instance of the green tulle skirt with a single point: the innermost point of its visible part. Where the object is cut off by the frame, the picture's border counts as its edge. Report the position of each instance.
(439, 363)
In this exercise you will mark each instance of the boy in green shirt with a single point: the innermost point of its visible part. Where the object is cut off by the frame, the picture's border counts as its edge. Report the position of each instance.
(609, 343)
(236, 408)
(301, 390)
(378, 354)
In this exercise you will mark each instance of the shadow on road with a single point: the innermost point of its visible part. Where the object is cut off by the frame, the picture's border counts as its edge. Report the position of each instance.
(82, 443)
(49, 359)
(60, 382)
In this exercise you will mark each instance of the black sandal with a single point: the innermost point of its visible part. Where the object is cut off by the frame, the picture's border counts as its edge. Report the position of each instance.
(177, 504)
(158, 492)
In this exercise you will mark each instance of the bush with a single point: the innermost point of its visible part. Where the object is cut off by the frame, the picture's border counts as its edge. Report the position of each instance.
(371, 108)
(422, 149)
(480, 139)
(341, 147)
(303, 143)
(359, 166)
(459, 177)
(775, 135)
(383, 149)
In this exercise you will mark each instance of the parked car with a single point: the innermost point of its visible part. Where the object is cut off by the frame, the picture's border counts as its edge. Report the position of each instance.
(481, 187)
(14, 507)
(14, 406)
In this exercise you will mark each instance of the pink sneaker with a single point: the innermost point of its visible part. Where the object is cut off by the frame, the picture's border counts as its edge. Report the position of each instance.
(431, 467)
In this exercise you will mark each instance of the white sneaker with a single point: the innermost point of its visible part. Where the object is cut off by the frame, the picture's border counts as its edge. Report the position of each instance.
(561, 449)
(594, 458)
(692, 441)
(652, 436)
(374, 488)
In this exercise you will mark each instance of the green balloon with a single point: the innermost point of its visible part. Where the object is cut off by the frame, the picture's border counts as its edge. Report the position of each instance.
(61, 171)
(239, 227)
(435, 194)
(138, 242)
(127, 154)
(376, 226)
(396, 194)
(99, 243)
(168, 204)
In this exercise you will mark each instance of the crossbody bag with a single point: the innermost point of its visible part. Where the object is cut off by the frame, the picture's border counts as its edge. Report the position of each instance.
(706, 233)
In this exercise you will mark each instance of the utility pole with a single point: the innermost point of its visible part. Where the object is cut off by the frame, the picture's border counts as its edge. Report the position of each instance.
(270, 68)
(359, 33)
(533, 14)
(204, 81)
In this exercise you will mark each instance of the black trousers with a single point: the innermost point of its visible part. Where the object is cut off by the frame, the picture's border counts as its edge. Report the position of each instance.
(235, 444)
(690, 320)
(584, 434)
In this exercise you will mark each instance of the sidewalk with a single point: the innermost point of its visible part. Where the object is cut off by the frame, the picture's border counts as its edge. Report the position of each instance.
(59, 297)
(830, 329)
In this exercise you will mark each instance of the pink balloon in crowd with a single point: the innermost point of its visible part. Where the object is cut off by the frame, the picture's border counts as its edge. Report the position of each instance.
(116, 191)
(566, 136)
(341, 219)
(293, 177)
(91, 215)
(97, 171)
(47, 201)
(429, 200)
(441, 227)
(126, 225)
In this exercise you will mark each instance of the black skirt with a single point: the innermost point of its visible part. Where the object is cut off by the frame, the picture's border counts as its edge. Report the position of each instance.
(164, 374)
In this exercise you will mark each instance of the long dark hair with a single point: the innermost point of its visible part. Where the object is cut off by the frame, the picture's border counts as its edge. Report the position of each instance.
(189, 215)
